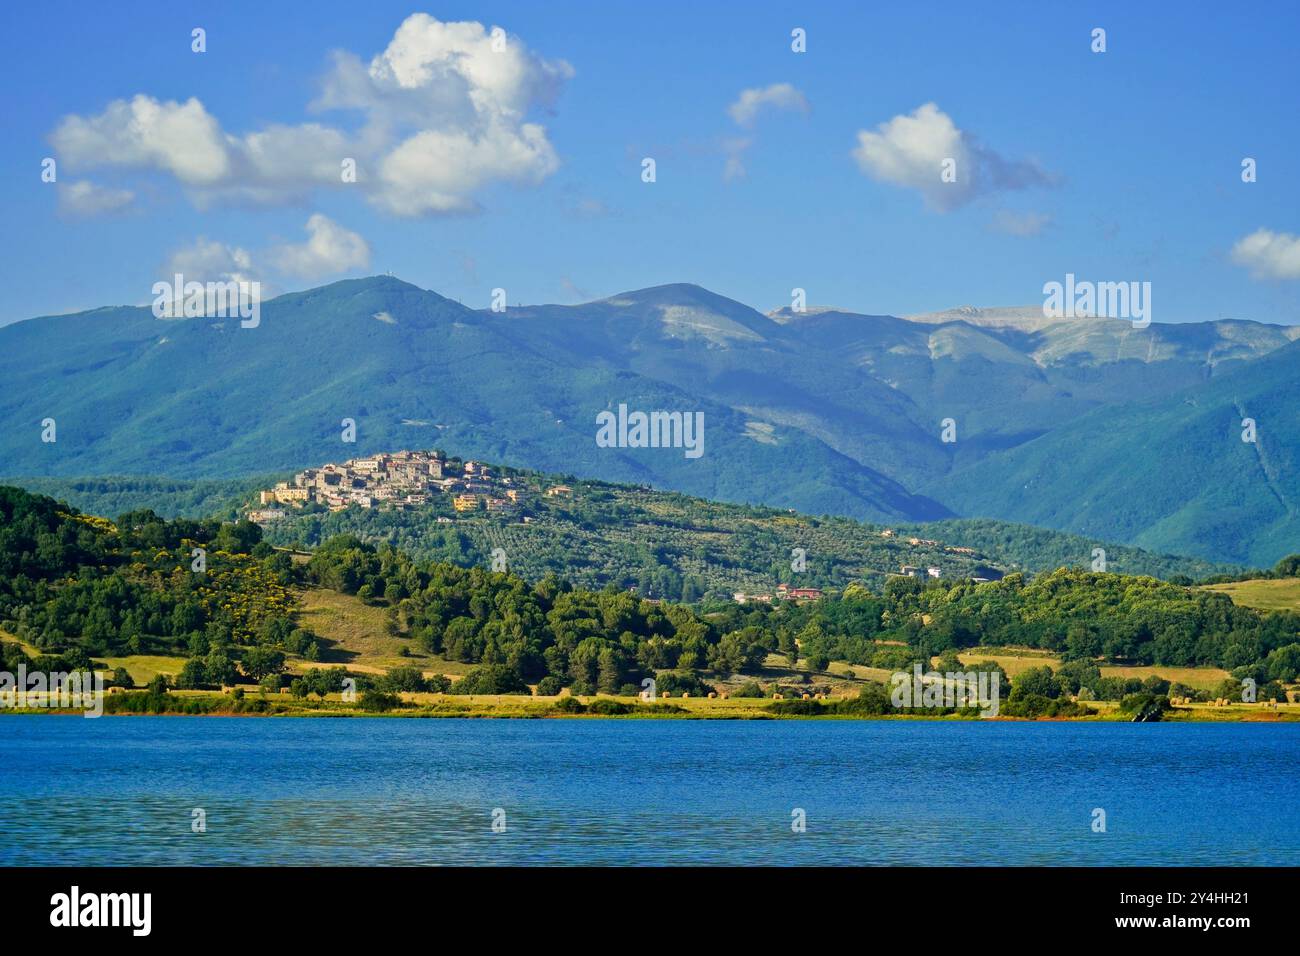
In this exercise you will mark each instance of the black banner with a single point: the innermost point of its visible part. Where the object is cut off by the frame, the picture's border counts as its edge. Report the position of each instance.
(333, 905)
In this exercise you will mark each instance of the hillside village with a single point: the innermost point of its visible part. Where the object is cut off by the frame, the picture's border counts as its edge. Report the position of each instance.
(404, 479)
(539, 522)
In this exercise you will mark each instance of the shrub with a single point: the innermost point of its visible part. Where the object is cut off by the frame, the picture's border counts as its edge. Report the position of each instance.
(569, 705)
(797, 708)
(872, 700)
(438, 684)
(609, 707)
(378, 701)
(677, 683)
(1037, 705)
(549, 686)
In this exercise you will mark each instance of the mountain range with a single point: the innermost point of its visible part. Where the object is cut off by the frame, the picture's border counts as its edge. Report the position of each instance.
(1085, 425)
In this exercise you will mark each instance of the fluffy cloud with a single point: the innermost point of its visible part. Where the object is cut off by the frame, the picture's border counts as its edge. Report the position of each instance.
(329, 249)
(443, 114)
(910, 150)
(84, 198)
(179, 138)
(1268, 254)
(781, 96)
(208, 261)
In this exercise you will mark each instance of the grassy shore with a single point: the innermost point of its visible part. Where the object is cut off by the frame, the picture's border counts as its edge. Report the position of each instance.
(508, 706)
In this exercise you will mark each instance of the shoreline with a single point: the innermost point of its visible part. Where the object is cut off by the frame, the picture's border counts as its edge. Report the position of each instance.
(510, 707)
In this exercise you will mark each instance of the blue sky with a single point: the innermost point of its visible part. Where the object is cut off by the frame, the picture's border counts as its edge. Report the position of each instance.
(1123, 165)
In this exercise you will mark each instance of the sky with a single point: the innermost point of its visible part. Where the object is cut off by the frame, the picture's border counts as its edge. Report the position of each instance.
(513, 158)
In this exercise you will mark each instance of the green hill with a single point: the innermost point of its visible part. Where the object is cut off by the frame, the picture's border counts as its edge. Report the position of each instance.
(78, 591)
(666, 544)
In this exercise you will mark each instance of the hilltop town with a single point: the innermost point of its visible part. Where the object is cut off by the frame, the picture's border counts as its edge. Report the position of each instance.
(631, 536)
(403, 479)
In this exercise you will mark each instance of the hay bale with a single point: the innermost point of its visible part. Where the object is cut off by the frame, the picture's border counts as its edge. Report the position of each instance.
(778, 697)
(807, 696)
(665, 693)
(686, 693)
(712, 695)
(723, 695)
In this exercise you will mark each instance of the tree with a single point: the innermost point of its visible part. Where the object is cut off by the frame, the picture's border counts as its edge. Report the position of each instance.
(261, 661)
(219, 669)
(789, 647)
(1035, 681)
(610, 671)
(193, 674)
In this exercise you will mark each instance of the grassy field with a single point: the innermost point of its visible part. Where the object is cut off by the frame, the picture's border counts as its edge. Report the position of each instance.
(1202, 678)
(1266, 594)
(145, 667)
(1015, 660)
(355, 637)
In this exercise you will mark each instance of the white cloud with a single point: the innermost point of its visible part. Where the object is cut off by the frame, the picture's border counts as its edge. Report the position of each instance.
(1268, 254)
(437, 171)
(329, 249)
(443, 114)
(911, 150)
(781, 96)
(180, 138)
(84, 198)
(208, 261)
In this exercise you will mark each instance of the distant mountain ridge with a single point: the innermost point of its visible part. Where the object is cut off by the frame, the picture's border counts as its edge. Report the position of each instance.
(825, 411)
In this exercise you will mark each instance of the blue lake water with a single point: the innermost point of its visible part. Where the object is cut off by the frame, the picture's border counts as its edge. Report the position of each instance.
(384, 791)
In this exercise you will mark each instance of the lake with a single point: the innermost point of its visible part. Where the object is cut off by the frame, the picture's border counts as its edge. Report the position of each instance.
(372, 791)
